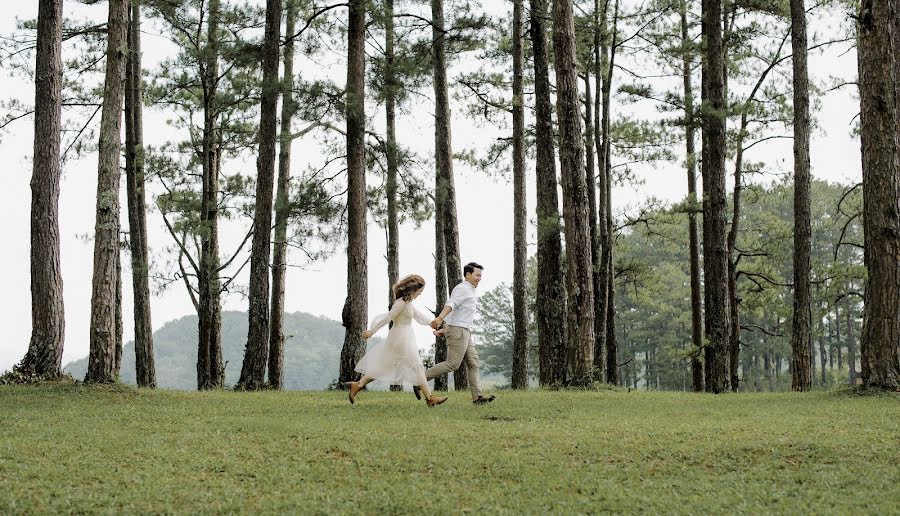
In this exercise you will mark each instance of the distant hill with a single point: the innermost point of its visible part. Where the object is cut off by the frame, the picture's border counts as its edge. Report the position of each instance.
(311, 356)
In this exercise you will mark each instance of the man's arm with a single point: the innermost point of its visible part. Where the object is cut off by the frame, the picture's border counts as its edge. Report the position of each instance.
(439, 320)
(455, 298)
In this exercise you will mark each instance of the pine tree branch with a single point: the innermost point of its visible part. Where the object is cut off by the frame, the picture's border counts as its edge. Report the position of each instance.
(236, 252)
(187, 283)
(310, 20)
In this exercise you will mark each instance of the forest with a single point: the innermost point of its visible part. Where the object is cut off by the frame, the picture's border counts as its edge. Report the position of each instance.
(763, 277)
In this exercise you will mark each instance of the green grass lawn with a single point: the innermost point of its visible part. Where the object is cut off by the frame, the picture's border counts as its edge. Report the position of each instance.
(117, 449)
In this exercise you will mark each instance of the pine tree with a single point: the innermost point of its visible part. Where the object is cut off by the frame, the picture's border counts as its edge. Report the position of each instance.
(104, 297)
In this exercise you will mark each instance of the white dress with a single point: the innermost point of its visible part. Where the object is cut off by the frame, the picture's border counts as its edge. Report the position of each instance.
(396, 359)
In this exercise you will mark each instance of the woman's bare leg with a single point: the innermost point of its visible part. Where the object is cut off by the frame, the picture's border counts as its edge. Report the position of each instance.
(424, 388)
(365, 380)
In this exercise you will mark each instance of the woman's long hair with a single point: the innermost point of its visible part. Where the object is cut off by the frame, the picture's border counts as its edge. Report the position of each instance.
(406, 287)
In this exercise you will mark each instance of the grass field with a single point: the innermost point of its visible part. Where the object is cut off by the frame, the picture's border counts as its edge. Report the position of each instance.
(116, 449)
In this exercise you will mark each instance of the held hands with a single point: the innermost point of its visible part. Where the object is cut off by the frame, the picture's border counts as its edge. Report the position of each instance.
(438, 333)
(367, 334)
(437, 322)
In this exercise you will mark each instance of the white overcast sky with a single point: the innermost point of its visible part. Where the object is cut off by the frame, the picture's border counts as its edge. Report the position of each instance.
(485, 204)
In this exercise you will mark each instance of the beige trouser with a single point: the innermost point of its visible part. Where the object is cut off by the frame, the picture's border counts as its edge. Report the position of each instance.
(459, 348)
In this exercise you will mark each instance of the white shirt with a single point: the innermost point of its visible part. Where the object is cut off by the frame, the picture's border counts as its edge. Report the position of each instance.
(463, 301)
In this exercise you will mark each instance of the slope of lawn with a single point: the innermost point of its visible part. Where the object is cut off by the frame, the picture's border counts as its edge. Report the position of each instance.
(72, 448)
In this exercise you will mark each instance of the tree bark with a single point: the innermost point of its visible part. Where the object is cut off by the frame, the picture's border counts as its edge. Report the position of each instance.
(812, 359)
(598, 206)
(520, 216)
(578, 243)
(282, 208)
(851, 347)
(608, 58)
(444, 161)
(145, 368)
(355, 313)
(691, 165)
(253, 370)
(823, 352)
(390, 105)
(440, 289)
(734, 327)
(44, 356)
(551, 284)
(734, 332)
(838, 343)
(831, 343)
(611, 348)
(590, 176)
(767, 358)
(102, 357)
(880, 136)
(801, 378)
(117, 362)
(210, 370)
(715, 264)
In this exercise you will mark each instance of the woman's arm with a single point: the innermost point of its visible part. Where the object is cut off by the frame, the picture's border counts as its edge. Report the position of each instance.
(422, 317)
(379, 321)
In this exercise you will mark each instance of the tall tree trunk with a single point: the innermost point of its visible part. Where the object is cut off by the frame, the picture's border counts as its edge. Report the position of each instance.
(801, 379)
(282, 207)
(117, 362)
(253, 371)
(812, 359)
(601, 117)
(851, 346)
(102, 357)
(880, 135)
(715, 263)
(444, 160)
(520, 216)
(837, 329)
(734, 326)
(612, 364)
(830, 342)
(551, 284)
(44, 356)
(355, 313)
(591, 177)
(605, 167)
(693, 236)
(577, 230)
(734, 332)
(210, 371)
(440, 288)
(145, 368)
(390, 103)
(823, 352)
(647, 370)
(767, 358)
(210, 306)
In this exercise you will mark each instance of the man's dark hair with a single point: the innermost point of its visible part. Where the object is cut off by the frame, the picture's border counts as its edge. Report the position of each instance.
(470, 268)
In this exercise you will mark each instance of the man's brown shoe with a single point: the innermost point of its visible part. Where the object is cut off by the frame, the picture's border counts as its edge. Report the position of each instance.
(481, 400)
(435, 400)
